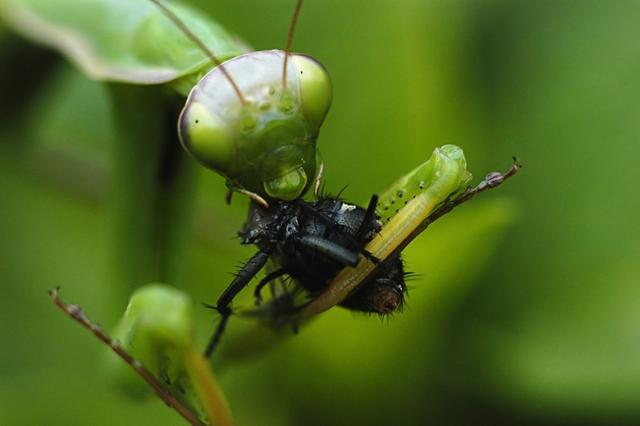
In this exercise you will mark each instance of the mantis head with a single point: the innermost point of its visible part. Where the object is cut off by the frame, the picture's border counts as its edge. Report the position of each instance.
(263, 141)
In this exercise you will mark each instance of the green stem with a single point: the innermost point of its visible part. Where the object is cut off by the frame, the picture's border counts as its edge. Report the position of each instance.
(149, 193)
(207, 389)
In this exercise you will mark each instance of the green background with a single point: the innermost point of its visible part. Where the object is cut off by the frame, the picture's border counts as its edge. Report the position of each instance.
(527, 305)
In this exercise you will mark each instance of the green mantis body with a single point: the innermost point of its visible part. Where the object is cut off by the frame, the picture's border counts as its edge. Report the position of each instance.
(251, 120)
(258, 129)
(254, 119)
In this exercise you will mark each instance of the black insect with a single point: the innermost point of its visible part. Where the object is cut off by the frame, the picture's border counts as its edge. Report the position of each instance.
(311, 242)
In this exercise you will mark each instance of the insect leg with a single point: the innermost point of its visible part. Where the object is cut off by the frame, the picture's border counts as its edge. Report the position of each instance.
(369, 214)
(255, 197)
(270, 277)
(318, 182)
(329, 248)
(371, 211)
(248, 271)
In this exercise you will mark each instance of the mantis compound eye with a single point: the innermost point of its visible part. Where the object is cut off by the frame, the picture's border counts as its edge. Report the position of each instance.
(205, 135)
(315, 89)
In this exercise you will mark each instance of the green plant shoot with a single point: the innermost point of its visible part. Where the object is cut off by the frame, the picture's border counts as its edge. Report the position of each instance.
(156, 338)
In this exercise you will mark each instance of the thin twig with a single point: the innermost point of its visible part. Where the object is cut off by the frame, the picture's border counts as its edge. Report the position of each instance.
(492, 180)
(76, 313)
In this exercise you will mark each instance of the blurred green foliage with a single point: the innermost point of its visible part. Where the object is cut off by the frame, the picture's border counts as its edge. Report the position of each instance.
(526, 308)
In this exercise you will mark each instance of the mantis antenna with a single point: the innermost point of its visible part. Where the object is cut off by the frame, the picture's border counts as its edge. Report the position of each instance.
(287, 48)
(187, 32)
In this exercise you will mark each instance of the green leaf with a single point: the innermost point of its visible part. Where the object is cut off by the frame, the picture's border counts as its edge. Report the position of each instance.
(121, 40)
(158, 330)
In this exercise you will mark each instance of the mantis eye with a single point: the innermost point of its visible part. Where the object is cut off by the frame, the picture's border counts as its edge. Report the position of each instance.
(315, 89)
(205, 136)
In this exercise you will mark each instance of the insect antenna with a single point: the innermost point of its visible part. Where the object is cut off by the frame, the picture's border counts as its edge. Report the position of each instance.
(194, 38)
(287, 47)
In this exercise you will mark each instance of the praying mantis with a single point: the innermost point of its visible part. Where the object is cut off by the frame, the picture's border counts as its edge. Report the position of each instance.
(254, 120)
(161, 54)
(149, 64)
(253, 117)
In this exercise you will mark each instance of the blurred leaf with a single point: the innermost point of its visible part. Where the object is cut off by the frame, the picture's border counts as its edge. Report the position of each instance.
(541, 328)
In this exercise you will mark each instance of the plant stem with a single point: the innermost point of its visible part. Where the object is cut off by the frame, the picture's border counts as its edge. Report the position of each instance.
(150, 194)
(76, 313)
(207, 389)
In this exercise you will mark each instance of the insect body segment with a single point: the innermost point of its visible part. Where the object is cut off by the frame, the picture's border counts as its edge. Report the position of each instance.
(443, 175)
(267, 145)
(312, 243)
